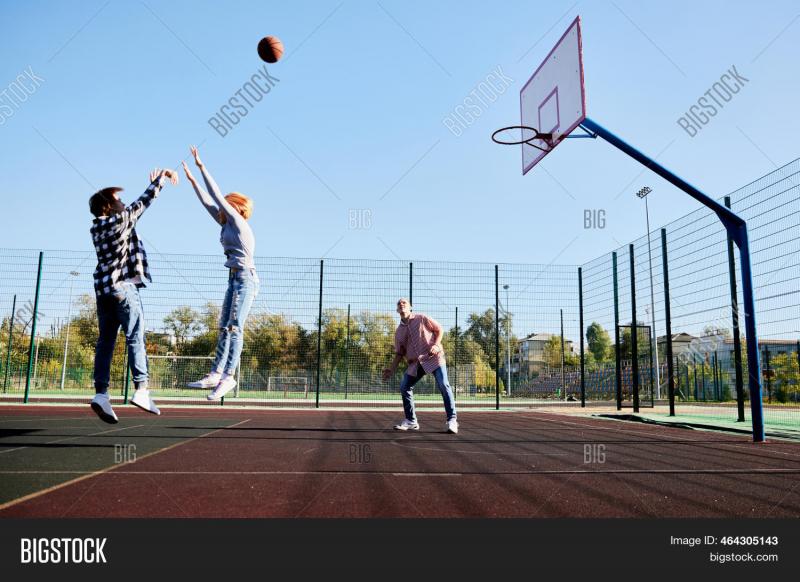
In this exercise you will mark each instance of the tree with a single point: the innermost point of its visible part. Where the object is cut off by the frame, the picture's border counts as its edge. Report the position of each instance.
(481, 329)
(275, 344)
(375, 340)
(787, 377)
(335, 347)
(599, 342)
(183, 322)
(204, 343)
(83, 328)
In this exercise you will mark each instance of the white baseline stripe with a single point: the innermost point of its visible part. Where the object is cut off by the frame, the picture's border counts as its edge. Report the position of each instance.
(432, 474)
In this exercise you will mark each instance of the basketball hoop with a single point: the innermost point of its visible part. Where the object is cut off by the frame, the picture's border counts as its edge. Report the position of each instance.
(545, 137)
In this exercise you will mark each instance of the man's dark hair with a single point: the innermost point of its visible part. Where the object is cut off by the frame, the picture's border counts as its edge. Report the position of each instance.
(103, 203)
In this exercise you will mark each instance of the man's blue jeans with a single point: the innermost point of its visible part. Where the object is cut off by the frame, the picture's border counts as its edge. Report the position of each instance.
(123, 308)
(407, 390)
(242, 290)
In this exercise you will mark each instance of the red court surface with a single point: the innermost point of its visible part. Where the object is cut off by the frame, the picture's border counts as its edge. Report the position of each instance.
(223, 462)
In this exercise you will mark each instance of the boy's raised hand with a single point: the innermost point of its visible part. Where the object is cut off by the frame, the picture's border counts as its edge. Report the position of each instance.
(158, 172)
(172, 175)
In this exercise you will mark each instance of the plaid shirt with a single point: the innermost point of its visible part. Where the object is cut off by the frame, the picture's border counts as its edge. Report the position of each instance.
(414, 339)
(120, 253)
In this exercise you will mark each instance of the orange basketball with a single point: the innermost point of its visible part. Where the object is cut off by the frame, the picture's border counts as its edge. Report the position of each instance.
(270, 49)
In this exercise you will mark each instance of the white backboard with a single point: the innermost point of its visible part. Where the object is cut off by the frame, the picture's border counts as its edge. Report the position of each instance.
(554, 100)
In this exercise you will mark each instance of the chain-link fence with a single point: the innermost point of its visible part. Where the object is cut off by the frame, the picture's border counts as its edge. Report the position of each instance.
(709, 362)
(321, 331)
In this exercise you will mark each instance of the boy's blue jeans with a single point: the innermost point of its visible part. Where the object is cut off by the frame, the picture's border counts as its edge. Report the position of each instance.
(123, 308)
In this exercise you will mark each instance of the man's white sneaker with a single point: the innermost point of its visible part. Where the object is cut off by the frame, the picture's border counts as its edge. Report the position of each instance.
(407, 425)
(452, 426)
(226, 385)
(142, 399)
(102, 406)
(210, 380)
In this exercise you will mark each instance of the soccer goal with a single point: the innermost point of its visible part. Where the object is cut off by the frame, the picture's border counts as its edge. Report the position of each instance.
(294, 385)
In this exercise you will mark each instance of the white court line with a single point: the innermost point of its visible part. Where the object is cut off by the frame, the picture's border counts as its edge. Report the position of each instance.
(110, 468)
(432, 474)
(70, 438)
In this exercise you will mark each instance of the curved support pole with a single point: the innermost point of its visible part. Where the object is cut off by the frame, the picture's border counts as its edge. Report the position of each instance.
(737, 229)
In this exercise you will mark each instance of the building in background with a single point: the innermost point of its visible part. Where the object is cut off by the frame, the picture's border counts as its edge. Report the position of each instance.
(530, 357)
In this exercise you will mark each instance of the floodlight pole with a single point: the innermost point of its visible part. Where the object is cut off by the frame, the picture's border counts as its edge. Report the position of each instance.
(654, 356)
(737, 230)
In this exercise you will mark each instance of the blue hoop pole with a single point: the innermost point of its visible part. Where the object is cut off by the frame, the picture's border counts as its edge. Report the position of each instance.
(737, 229)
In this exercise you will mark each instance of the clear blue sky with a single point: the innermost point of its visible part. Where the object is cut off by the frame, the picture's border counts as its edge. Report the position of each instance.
(358, 112)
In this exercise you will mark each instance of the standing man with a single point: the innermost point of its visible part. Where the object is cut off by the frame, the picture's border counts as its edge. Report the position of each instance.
(121, 270)
(418, 339)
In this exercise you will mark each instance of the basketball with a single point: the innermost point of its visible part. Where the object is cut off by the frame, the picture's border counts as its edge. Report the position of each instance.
(270, 49)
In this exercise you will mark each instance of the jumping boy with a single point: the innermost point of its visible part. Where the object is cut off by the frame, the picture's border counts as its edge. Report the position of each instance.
(121, 270)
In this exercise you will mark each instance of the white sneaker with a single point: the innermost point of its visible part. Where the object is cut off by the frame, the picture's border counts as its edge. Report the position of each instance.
(210, 380)
(407, 425)
(142, 399)
(225, 385)
(102, 406)
(452, 426)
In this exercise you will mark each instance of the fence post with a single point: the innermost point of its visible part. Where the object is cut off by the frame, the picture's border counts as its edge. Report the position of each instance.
(33, 328)
(737, 341)
(617, 370)
(668, 324)
(347, 353)
(496, 338)
(563, 379)
(703, 360)
(768, 374)
(10, 340)
(128, 382)
(580, 323)
(634, 335)
(319, 330)
(688, 382)
(652, 377)
(411, 284)
(455, 358)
